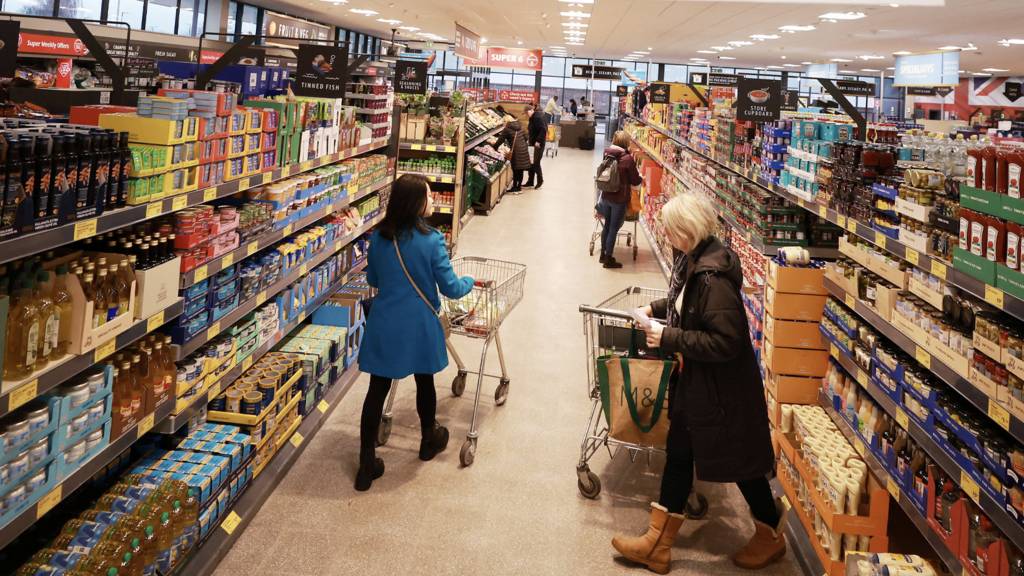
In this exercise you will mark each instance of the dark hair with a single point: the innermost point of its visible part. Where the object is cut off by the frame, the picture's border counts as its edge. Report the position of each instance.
(405, 207)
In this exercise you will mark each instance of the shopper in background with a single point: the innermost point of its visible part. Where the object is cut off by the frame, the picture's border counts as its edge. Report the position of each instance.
(553, 110)
(408, 263)
(612, 206)
(573, 109)
(716, 401)
(520, 151)
(538, 132)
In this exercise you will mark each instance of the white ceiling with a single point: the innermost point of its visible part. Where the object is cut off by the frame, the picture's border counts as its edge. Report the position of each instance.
(675, 30)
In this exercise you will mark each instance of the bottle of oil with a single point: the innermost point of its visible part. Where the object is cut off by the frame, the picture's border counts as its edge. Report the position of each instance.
(109, 293)
(49, 322)
(125, 384)
(121, 288)
(94, 295)
(62, 301)
(137, 390)
(22, 334)
(162, 380)
(125, 272)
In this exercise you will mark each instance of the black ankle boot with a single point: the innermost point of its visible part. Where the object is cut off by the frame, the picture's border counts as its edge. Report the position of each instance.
(604, 258)
(434, 441)
(365, 477)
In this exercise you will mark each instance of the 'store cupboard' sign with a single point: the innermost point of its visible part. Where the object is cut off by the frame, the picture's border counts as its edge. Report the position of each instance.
(758, 100)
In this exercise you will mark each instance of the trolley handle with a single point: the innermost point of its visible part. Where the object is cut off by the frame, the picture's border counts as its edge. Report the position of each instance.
(606, 312)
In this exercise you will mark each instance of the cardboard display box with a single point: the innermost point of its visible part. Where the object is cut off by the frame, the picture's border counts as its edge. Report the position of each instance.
(794, 361)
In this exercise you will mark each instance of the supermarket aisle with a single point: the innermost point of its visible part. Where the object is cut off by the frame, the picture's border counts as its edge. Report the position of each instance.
(517, 509)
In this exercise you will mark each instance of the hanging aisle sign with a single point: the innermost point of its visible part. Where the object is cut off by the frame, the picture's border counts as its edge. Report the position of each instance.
(855, 87)
(596, 72)
(322, 71)
(712, 79)
(758, 100)
(467, 42)
(920, 91)
(517, 58)
(1012, 91)
(288, 27)
(790, 100)
(411, 77)
(660, 93)
(621, 90)
(935, 69)
(31, 43)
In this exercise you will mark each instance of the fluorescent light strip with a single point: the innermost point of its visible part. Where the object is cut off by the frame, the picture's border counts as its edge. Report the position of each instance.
(363, 11)
(793, 28)
(843, 16)
(574, 14)
(389, 21)
(763, 37)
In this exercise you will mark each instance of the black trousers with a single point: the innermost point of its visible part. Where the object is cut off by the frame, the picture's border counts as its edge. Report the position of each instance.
(517, 178)
(373, 408)
(677, 479)
(536, 174)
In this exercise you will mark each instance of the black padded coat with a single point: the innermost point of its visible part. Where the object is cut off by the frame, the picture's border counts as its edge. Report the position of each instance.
(718, 395)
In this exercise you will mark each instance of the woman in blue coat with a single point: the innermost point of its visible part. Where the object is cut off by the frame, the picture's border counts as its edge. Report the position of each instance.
(403, 332)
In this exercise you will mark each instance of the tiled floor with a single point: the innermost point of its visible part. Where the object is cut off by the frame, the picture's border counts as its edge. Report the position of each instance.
(517, 510)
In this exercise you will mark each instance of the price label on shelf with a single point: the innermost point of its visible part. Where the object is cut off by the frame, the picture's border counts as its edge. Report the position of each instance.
(862, 377)
(841, 220)
(213, 391)
(231, 522)
(247, 363)
(994, 296)
(302, 317)
(851, 225)
(244, 184)
(210, 194)
(938, 269)
(923, 357)
(227, 260)
(322, 406)
(858, 445)
(179, 202)
(200, 274)
(252, 248)
(880, 238)
(328, 210)
(104, 350)
(912, 256)
(155, 321)
(296, 439)
(893, 488)
(85, 229)
(417, 147)
(851, 302)
(287, 230)
(969, 486)
(307, 165)
(267, 177)
(902, 419)
(22, 395)
(833, 350)
(213, 330)
(154, 209)
(261, 297)
(823, 212)
(303, 269)
(145, 425)
(999, 414)
(49, 501)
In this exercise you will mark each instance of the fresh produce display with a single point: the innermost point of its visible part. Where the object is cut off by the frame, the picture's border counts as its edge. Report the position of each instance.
(482, 120)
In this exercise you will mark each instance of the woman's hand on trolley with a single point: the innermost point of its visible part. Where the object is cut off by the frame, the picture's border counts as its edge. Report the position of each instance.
(653, 332)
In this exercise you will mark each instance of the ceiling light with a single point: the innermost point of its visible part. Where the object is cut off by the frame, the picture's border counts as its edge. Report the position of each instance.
(575, 43)
(650, 48)
(519, 42)
(891, 68)
(763, 37)
(409, 28)
(791, 65)
(793, 28)
(774, 67)
(575, 14)
(870, 70)
(871, 57)
(847, 72)
(389, 21)
(721, 48)
(558, 47)
(807, 63)
(577, 1)
(894, 5)
(1006, 42)
(995, 69)
(970, 46)
(483, 40)
(645, 53)
(981, 73)
(726, 58)
(707, 51)
(902, 53)
(842, 16)
(841, 60)
(783, 57)
(696, 59)
(363, 11)
(575, 25)
(740, 43)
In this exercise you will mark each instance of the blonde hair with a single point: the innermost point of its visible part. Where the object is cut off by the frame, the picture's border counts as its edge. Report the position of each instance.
(621, 139)
(690, 216)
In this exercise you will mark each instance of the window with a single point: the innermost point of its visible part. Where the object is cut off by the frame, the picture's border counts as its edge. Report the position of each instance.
(232, 19)
(250, 14)
(675, 73)
(191, 17)
(501, 81)
(553, 66)
(524, 80)
(87, 9)
(31, 7)
(161, 16)
(129, 11)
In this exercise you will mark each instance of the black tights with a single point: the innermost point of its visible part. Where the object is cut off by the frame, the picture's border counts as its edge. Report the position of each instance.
(373, 408)
(677, 480)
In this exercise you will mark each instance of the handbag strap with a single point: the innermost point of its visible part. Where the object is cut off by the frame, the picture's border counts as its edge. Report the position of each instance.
(423, 297)
(659, 400)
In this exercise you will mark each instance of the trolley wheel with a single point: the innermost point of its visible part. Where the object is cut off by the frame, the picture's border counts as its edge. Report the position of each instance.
(468, 452)
(629, 239)
(591, 247)
(459, 383)
(384, 431)
(697, 510)
(501, 392)
(591, 488)
(635, 250)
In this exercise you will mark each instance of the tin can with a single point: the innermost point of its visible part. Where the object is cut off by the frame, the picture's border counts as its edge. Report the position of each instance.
(233, 401)
(36, 481)
(78, 394)
(218, 404)
(252, 403)
(96, 382)
(267, 391)
(93, 440)
(37, 453)
(38, 419)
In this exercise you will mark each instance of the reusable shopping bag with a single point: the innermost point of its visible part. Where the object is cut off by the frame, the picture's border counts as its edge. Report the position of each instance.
(633, 396)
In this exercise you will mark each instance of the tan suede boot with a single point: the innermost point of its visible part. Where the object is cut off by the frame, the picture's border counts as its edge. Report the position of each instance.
(766, 546)
(654, 548)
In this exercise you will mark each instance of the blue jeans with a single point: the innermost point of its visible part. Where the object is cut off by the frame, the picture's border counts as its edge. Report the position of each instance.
(613, 214)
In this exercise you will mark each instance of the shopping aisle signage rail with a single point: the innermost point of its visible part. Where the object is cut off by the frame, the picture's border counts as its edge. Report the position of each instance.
(410, 77)
(517, 58)
(758, 100)
(713, 79)
(596, 72)
(323, 71)
(855, 87)
(467, 42)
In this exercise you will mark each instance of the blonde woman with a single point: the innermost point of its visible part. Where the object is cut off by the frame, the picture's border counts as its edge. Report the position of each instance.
(719, 420)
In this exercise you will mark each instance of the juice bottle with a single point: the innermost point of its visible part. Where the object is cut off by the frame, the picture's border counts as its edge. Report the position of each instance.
(61, 297)
(126, 274)
(143, 387)
(161, 380)
(22, 334)
(122, 289)
(123, 393)
(109, 292)
(94, 293)
(49, 322)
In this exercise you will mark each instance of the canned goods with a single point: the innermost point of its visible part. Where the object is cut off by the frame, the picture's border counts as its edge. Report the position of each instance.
(17, 433)
(78, 424)
(93, 440)
(36, 481)
(95, 382)
(96, 412)
(75, 453)
(233, 400)
(218, 404)
(5, 475)
(77, 394)
(37, 453)
(38, 419)
(256, 433)
(268, 393)
(18, 466)
(252, 403)
(15, 497)
(269, 382)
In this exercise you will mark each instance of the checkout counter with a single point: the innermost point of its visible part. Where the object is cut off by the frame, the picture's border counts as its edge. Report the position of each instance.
(572, 129)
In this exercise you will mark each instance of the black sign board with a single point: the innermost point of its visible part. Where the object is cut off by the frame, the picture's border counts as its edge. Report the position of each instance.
(790, 100)
(1012, 91)
(920, 91)
(660, 93)
(322, 71)
(411, 77)
(758, 100)
(943, 90)
(279, 62)
(621, 90)
(855, 87)
(9, 30)
(596, 72)
(728, 80)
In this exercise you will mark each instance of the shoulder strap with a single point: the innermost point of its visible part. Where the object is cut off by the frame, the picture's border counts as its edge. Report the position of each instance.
(423, 297)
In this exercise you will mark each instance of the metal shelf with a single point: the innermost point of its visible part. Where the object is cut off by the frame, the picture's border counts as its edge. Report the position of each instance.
(220, 541)
(242, 310)
(71, 367)
(437, 178)
(35, 242)
(428, 147)
(666, 267)
(200, 273)
(483, 137)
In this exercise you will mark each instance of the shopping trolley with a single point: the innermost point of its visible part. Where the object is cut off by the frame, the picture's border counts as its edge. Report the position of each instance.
(609, 329)
(479, 314)
(595, 236)
(553, 136)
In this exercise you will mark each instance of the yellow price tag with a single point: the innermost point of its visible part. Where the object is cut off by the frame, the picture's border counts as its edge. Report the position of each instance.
(938, 269)
(210, 194)
(145, 425)
(231, 522)
(303, 269)
(227, 260)
(328, 210)
(322, 406)
(823, 212)
(302, 316)
(841, 221)
(261, 297)
(213, 330)
(252, 248)
(879, 238)
(902, 419)
(833, 350)
(893, 489)
(267, 177)
(417, 146)
(247, 363)
(243, 184)
(200, 274)
(851, 302)
(155, 321)
(287, 230)
(994, 296)
(969, 486)
(999, 414)
(862, 377)
(213, 392)
(49, 501)
(912, 256)
(923, 357)
(154, 209)
(179, 202)
(105, 349)
(858, 445)
(851, 225)
(307, 165)
(22, 395)
(85, 229)
(296, 439)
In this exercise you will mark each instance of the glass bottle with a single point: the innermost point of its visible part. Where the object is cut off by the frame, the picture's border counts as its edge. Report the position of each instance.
(126, 274)
(139, 406)
(109, 294)
(121, 288)
(49, 322)
(22, 335)
(61, 297)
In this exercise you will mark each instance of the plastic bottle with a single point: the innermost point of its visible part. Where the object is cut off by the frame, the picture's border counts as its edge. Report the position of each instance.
(974, 162)
(988, 164)
(49, 322)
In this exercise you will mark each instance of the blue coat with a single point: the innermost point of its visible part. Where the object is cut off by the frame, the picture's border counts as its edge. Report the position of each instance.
(403, 336)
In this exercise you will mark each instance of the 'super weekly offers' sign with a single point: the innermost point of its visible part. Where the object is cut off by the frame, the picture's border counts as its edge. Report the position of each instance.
(934, 69)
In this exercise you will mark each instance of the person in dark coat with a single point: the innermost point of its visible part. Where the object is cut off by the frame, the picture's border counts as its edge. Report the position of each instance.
(514, 136)
(613, 205)
(719, 418)
(573, 108)
(538, 132)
